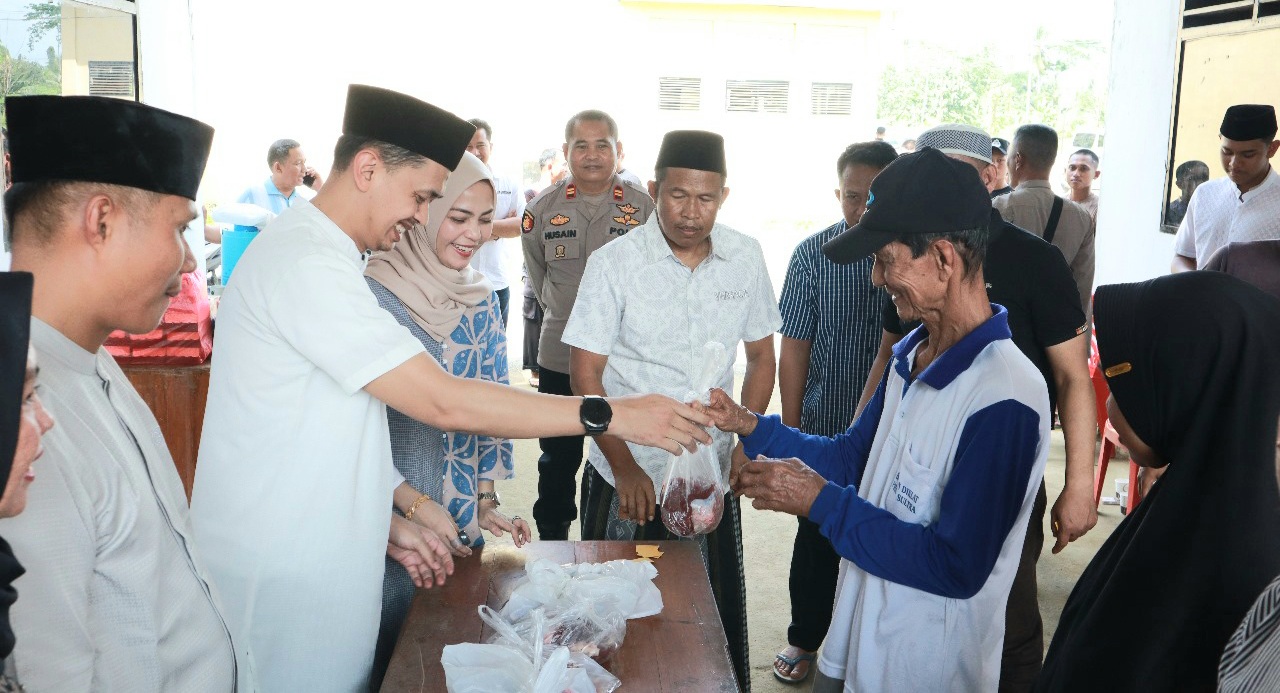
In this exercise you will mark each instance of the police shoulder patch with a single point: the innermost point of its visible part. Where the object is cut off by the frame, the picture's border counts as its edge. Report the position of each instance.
(526, 222)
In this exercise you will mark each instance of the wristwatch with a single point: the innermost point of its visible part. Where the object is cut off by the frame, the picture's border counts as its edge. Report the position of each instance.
(595, 414)
(491, 496)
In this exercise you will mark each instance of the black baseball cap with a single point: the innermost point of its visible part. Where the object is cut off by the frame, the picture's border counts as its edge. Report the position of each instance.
(922, 192)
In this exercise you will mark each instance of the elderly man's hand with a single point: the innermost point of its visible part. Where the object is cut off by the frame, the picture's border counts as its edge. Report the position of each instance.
(1073, 515)
(784, 485)
(728, 415)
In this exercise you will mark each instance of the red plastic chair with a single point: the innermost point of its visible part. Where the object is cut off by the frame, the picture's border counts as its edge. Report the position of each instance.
(1110, 439)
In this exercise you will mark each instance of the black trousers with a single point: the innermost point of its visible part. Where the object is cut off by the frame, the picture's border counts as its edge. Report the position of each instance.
(1023, 628)
(557, 470)
(504, 301)
(532, 314)
(815, 565)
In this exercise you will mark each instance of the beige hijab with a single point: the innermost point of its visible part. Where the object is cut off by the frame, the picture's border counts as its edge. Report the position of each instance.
(436, 296)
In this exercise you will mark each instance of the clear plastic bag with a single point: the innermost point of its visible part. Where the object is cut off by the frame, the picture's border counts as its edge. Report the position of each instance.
(537, 640)
(692, 499)
(623, 586)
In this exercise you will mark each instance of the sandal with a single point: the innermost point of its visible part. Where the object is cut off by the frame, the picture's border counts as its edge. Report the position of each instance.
(792, 662)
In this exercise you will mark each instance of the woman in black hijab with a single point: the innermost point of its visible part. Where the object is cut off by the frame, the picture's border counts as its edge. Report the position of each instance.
(22, 421)
(1191, 362)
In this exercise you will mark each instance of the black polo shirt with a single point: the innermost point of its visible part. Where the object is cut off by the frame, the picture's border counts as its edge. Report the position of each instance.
(1033, 282)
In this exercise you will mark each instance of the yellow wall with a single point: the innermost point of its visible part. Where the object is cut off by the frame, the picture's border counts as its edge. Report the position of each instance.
(91, 34)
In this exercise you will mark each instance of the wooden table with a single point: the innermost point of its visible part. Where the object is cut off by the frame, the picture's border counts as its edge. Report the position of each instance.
(681, 649)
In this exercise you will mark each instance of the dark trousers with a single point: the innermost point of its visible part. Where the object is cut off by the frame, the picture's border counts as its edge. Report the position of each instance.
(532, 314)
(1023, 629)
(557, 470)
(504, 300)
(815, 565)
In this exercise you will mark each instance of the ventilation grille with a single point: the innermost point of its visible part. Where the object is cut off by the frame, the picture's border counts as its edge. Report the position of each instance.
(112, 78)
(679, 93)
(831, 98)
(757, 95)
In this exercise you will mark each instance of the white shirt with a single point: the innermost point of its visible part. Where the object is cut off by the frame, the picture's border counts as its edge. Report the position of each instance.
(115, 597)
(1219, 214)
(886, 636)
(292, 499)
(499, 259)
(651, 316)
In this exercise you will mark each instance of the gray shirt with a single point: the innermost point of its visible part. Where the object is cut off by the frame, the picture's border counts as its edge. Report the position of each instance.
(1028, 207)
(115, 597)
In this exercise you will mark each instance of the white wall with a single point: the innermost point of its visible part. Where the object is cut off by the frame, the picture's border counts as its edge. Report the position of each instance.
(1130, 245)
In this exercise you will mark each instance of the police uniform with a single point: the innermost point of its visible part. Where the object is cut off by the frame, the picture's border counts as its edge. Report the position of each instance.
(560, 229)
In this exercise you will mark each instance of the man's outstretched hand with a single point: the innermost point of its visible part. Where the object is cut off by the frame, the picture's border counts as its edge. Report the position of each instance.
(659, 422)
(728, 415)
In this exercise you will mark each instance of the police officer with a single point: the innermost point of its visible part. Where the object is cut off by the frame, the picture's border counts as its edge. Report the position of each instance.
(561, 227)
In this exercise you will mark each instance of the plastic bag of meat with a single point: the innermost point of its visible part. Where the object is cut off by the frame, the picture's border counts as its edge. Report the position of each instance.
(692, 499)
(541, 639)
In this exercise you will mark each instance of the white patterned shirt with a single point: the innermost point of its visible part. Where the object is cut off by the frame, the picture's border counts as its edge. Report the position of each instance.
(1219, 214)
(115, 597)
(651, 316)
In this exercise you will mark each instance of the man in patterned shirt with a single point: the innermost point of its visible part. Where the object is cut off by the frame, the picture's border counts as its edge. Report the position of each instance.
(648, 304)
(830, 332)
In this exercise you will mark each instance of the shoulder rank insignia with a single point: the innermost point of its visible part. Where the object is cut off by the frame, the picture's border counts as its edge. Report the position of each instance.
(526, 222)
(626, 218)
(559, 220)
(617, 192)
(570, 191)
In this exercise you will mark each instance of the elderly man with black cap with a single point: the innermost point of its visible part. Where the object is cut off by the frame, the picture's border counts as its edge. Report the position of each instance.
(115, 597)
(648, 304)
(295, 476)
(927, 494)
(1245, 205)
(1032, 281)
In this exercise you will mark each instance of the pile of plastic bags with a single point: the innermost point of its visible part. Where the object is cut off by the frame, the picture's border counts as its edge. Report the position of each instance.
(559, 624)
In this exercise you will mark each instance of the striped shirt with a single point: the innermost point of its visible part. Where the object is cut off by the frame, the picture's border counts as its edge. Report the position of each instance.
(837, 309)
(1251, 661)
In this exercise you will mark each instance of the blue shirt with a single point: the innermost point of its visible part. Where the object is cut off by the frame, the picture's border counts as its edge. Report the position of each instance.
(924, 492)
(268, 197)
(837, 309)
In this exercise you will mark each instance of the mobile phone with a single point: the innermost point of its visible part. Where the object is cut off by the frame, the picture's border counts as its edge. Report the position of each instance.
(308, 180)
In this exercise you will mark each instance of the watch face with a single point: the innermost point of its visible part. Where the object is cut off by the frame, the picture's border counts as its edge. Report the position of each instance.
(596, 411)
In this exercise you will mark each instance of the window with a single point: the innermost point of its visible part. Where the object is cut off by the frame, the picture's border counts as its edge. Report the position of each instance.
(757, 95)
(679, 93)
(831, 98)
(111, 78)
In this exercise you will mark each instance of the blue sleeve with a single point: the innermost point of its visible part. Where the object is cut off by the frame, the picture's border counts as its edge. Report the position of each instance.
(954, 556)
(839, 460)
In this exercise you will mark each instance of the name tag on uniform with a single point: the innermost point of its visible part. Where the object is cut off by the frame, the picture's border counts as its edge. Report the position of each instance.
(735, 295)
(562, 249)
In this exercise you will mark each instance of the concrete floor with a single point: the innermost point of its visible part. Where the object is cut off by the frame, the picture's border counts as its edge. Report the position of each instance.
(768, 538)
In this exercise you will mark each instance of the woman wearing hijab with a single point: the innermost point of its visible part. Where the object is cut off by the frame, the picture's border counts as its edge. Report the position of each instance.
(23, 420)
(1190, 359)
(426, 282)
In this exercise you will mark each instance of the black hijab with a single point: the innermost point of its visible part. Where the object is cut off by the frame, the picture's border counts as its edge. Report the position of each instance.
(1191, 361)
(15, 337)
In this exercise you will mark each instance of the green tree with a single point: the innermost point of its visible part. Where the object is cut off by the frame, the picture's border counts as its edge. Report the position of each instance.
(44, 17)
(936, 86)
(21, 77)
